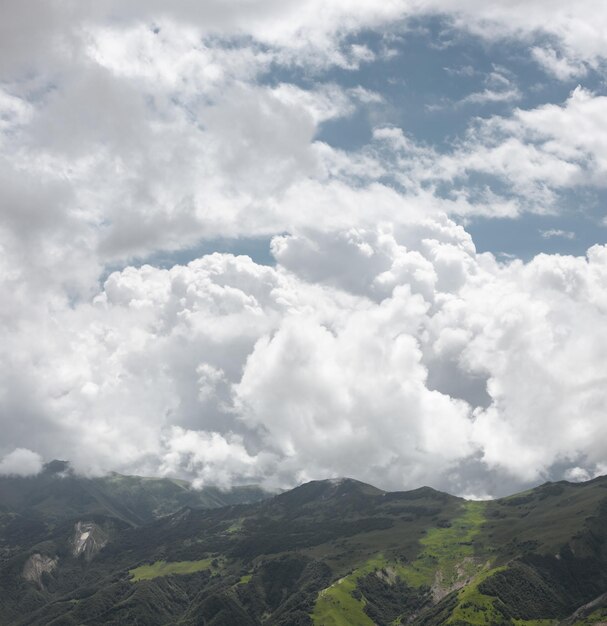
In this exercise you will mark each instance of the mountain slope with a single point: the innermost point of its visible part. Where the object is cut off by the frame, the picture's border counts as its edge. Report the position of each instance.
(58, 493)
(330, 553)
(32, 509)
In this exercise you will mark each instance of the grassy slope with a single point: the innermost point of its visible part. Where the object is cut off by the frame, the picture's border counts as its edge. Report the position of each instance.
(445, 550)
(162, 568)
(546, 517)
(449, 551)
(446, 560)
(477, 609)
(336, 606)
(473, 607)
(411, 515)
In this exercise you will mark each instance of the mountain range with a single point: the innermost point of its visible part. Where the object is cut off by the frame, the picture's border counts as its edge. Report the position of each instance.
(131, 550)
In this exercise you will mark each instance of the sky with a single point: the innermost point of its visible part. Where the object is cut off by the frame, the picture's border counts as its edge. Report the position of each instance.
(270, 241)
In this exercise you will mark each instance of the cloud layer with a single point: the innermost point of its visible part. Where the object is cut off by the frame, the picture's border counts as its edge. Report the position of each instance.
(128, 131)
(406, 349)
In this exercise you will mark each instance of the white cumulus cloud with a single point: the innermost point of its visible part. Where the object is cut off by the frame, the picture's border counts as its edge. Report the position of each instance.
(21, 462)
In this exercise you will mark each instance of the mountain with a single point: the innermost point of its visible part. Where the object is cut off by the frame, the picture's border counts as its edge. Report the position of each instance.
(58, 493)
(33, 509)
(333, 553)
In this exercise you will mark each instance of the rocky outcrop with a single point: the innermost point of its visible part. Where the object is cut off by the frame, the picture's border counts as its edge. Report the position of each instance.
(36, 566)
(88, 538)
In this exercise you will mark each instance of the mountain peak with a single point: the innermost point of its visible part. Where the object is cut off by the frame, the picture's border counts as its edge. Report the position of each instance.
(344, 485)
(57, 467)
(327, 490)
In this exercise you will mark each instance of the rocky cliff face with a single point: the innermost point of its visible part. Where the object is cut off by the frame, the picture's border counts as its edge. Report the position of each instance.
(88, 538)
(36, 566)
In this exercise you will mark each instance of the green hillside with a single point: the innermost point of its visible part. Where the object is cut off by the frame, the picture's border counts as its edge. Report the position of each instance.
(328, 553)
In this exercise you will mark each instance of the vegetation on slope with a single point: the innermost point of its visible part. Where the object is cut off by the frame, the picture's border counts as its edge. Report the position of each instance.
(162, 568)
(329, 552)
(446, 560)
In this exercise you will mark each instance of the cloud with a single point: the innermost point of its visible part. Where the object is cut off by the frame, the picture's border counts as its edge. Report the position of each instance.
(491, 95)
(212, 458)
(21, 462)
(499, 88)
(534, 358)
(464, 70)
(556, 232)
(308, 32)
(563, 68)
(505, 165)
(399, 344)
(360, 391)
(129, 129)
(543, 150)
(125, 137)
(577, 34)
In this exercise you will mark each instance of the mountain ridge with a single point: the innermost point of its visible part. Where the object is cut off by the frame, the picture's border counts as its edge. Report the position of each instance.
(59, 492)
(326, 553)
